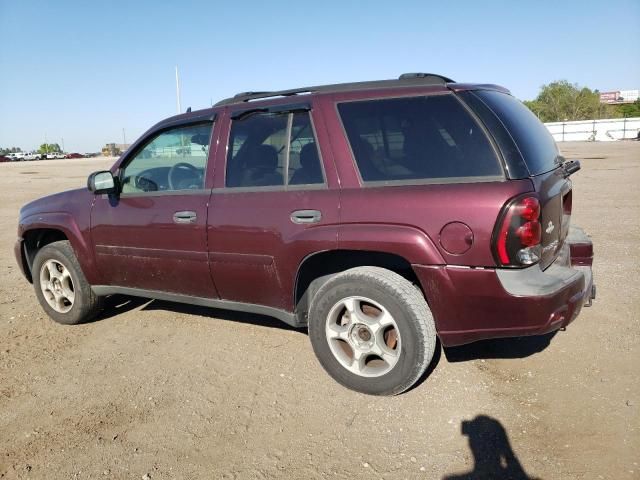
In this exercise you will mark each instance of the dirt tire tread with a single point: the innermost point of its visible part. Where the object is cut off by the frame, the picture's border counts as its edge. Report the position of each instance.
(413, 303)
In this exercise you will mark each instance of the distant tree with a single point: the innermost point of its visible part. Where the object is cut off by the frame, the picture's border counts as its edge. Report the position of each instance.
(629, 109)
(533, 105)
(561, 100)
(49, 148)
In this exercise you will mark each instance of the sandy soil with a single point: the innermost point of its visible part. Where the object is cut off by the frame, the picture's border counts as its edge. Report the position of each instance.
(159, 390)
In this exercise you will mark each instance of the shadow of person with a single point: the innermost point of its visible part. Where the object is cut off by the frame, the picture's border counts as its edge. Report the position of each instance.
(492, 454)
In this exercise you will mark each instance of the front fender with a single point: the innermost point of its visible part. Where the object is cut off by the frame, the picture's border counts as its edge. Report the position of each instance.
(77, 232)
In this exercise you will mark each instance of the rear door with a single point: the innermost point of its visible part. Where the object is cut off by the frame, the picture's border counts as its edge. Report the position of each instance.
(274, 203)
(542, 159)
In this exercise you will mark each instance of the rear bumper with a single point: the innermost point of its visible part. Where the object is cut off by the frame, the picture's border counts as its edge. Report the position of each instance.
(471, 304)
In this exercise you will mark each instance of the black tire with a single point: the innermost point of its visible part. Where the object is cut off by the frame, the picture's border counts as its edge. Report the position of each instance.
(409, 310)
(86, 304)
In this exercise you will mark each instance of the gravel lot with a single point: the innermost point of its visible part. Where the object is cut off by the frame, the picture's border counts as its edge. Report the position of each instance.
(160, 390)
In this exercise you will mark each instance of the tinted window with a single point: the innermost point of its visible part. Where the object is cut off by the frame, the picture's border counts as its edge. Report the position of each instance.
(173, 160)
(532, 137)
(265, 152)
(417, 138)
(257, 151)
(304, 161)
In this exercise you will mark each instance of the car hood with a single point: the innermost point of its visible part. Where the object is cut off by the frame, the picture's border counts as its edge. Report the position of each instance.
(68, 202)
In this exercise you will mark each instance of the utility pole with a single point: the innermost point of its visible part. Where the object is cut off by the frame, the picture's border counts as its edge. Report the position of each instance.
(178, 91)
(124, 139)
(62, 144)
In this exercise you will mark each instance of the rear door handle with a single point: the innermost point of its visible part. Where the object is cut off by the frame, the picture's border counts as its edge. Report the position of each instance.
(306, 216)
(186, 216)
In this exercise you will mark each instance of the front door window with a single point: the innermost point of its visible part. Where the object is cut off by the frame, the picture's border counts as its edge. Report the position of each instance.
(173, 160)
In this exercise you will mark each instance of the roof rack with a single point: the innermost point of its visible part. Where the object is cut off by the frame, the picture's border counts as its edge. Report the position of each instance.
(245, 94)
(406, 76)
(404, 80)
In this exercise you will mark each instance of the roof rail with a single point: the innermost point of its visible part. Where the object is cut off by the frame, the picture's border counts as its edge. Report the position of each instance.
(405, 80)
(247, 94)
(406, 76)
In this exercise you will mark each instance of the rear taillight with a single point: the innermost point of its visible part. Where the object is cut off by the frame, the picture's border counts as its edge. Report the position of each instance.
(518, 235)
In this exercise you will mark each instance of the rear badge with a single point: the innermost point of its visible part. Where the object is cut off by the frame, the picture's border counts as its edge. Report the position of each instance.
(550, 227)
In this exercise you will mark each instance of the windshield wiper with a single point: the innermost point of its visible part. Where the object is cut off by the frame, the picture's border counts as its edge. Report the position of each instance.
(570, 167)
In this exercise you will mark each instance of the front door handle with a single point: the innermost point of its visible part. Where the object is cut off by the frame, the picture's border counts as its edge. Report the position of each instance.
(186, 216)
(306, 216)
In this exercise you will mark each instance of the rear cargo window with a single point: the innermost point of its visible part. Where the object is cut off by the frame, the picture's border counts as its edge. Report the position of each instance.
(531, 136)
(417, 138)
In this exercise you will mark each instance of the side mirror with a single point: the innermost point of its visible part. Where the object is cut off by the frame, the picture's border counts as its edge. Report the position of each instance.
(101, 182)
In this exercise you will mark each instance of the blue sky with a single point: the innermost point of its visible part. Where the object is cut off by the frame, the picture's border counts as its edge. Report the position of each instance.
(84, 70)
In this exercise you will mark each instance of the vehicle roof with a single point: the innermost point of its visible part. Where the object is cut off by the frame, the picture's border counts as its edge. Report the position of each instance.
(373, 88)
(404, 80)
(407, 79)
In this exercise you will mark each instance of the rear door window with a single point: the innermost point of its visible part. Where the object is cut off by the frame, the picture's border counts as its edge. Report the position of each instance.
(431, 138)
(258, 148)
(273, 149)
(534, 141)
(305, 167)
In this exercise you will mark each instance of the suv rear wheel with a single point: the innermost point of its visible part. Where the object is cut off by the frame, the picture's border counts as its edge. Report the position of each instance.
(372, 330)
(61, 287)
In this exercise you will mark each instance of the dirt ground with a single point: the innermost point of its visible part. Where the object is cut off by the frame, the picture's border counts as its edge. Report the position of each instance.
(160, 390)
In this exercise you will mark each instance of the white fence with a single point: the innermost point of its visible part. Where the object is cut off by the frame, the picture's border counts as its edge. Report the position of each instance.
(606, 130)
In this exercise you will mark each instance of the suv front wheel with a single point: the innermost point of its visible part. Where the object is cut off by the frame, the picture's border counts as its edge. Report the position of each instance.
(61, 287)
(372, 330)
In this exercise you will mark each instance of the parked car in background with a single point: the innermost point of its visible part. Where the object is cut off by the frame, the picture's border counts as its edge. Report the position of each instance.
(4, 159)
(16, 156)
(74, 155)
(32, 156)
(380, 215)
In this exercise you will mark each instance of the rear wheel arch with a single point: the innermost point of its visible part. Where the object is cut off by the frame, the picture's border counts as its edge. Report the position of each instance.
(319, 267)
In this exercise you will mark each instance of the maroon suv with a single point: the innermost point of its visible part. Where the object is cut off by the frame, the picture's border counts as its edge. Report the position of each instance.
(379, 214)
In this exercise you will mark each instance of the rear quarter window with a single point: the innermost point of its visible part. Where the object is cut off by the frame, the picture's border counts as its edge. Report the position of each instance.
(534, 141)
(418, 139)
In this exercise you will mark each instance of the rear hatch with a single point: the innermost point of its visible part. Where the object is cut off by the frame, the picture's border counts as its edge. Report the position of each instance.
(543, 165)
(555, 200)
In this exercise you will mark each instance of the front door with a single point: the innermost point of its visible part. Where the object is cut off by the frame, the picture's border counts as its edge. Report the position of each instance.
(153, 235)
